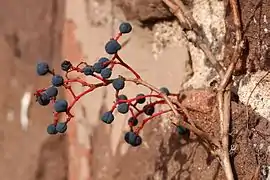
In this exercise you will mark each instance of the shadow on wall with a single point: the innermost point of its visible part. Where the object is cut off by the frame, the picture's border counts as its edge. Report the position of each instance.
(53, 159)
(173, 151)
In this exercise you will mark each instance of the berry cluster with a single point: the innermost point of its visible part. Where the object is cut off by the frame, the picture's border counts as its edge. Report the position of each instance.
(103, 71)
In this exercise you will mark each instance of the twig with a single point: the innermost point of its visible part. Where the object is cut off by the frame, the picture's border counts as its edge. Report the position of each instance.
(225, 118)
(224, 91)
(224, 95)
(182, 108)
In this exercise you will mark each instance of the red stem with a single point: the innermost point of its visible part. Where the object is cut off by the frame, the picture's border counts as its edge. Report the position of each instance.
(117, 36)
(137, 131)
(129, 101)
(128, 67)
(94, 86)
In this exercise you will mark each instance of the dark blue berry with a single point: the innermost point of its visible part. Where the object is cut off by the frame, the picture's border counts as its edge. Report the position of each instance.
(118, 84)
(123, 108)
(88, 70)
(104, 61)
(52, 92)
(42, 68)
(98, 67)
(133, 121)
(61, 127)
(133, 139)
(181, 130)
(112, 47)
(43, 99)
(107, 117)
(61, 105)
(141, 99)
(57, 80)
(122, 97)
(51, 129)
(125, 28)
(106, 73)
(66, 65)
(149, 109)
(165, 90)
(127, 137)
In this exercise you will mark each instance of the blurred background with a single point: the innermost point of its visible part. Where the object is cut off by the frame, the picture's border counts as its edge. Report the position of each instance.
(30, 30)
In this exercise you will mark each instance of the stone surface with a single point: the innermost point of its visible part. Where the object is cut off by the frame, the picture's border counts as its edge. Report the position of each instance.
(210, 17)
(200, 100)
(260, 97)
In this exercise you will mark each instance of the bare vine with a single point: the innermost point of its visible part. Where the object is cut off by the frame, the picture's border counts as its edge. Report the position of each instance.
(224, 89)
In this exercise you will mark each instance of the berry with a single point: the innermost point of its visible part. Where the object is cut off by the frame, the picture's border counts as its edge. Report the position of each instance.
(118, 84)
(52, 92)
(57, 80)
(122, 97)
(133, 121)
(66, 65)
(149, 109)
(61, 127)
(181, 130)
(98, 67)
(61, 105)
(133, 139)
(123, 108)
(106, 73)
(140, 100)
(88, 70)
(51, 129)
(125, 27)
(112, 47)
(107, 117)
(42, 68)
(43, 99)
(104, 61)
(165, 90)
